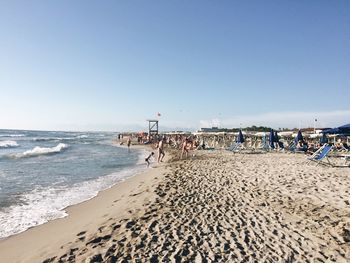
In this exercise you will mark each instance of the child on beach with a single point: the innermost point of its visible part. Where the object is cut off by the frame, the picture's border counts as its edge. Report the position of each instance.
(148, 158)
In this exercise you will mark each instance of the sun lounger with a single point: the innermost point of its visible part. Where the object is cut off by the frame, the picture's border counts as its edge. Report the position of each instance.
(346, 147)
(235, 147)
(346, 158)
(321, 154)
(292, 146)
(317, 152)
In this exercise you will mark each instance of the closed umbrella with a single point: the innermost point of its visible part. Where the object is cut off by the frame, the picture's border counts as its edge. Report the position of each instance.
(240, 138)
(299, 137)
(272, 139)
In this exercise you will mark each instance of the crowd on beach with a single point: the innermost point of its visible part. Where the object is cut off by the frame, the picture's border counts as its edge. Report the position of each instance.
(187, 142)
(313, 146)
(160, 142)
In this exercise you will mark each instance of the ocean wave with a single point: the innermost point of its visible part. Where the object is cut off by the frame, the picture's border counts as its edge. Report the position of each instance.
(8, 144)
(12, 135)
(43, 205)
(42, 151)
(46, 139)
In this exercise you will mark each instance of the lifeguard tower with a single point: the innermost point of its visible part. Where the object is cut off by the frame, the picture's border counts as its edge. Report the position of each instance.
(152, 127)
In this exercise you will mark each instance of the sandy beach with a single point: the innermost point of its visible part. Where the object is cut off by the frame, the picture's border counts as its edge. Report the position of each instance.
(214, 207)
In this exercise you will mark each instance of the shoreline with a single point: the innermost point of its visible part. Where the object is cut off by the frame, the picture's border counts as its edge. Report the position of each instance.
(125, 175)
(50, 235)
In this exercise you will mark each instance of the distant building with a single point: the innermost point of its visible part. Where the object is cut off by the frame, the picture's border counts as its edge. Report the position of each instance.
(213, 129)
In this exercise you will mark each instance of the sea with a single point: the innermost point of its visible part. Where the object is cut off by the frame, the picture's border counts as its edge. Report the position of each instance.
(43, 172)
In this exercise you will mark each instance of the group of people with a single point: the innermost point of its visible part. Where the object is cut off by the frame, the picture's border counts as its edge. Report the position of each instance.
(310, 148)
(161, 153)
(186, 143)
(183, 143)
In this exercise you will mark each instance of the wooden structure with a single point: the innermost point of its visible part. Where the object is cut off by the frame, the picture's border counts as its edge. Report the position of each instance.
(152, 127)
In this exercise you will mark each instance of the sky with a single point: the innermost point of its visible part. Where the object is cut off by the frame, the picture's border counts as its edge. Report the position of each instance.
(111, 65)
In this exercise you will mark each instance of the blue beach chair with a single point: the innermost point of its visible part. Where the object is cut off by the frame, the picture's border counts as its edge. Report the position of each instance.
(321, 154)
(235, 147)
(264, 144)
(292, 146)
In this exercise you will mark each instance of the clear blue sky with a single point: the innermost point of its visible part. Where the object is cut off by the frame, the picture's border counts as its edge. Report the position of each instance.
(109, 65)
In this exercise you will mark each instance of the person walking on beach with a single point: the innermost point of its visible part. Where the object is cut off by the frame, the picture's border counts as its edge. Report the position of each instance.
(160, 147)
(148, 158)
(129, 143)
(185, 146)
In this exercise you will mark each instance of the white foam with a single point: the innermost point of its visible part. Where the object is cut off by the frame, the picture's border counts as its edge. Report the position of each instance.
(43, 139)
(8, 144)
(43, 205)
(12, 135)
(143, 154)
(42, 151)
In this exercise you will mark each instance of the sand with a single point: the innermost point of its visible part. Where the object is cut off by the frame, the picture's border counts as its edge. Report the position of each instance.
(214, 207)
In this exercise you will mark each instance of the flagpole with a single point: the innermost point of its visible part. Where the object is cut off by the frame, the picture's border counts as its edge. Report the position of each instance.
(315, 120)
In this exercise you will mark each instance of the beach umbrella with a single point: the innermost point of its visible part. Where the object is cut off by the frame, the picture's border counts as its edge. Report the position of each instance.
(260, 134)
(342, 130)
(299, 137)
(314, 135)
(240, 138)
(272, 139)
(331, 131)
(338, 131)
(286, 133)
(345, 127)
(276, 137)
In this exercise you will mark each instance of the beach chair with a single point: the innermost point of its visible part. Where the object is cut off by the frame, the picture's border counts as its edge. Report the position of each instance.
(292, 146)
(264, 145)
(317, 152)
(346, 159)
(346, 147)
(321, 154)
(235, 147)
